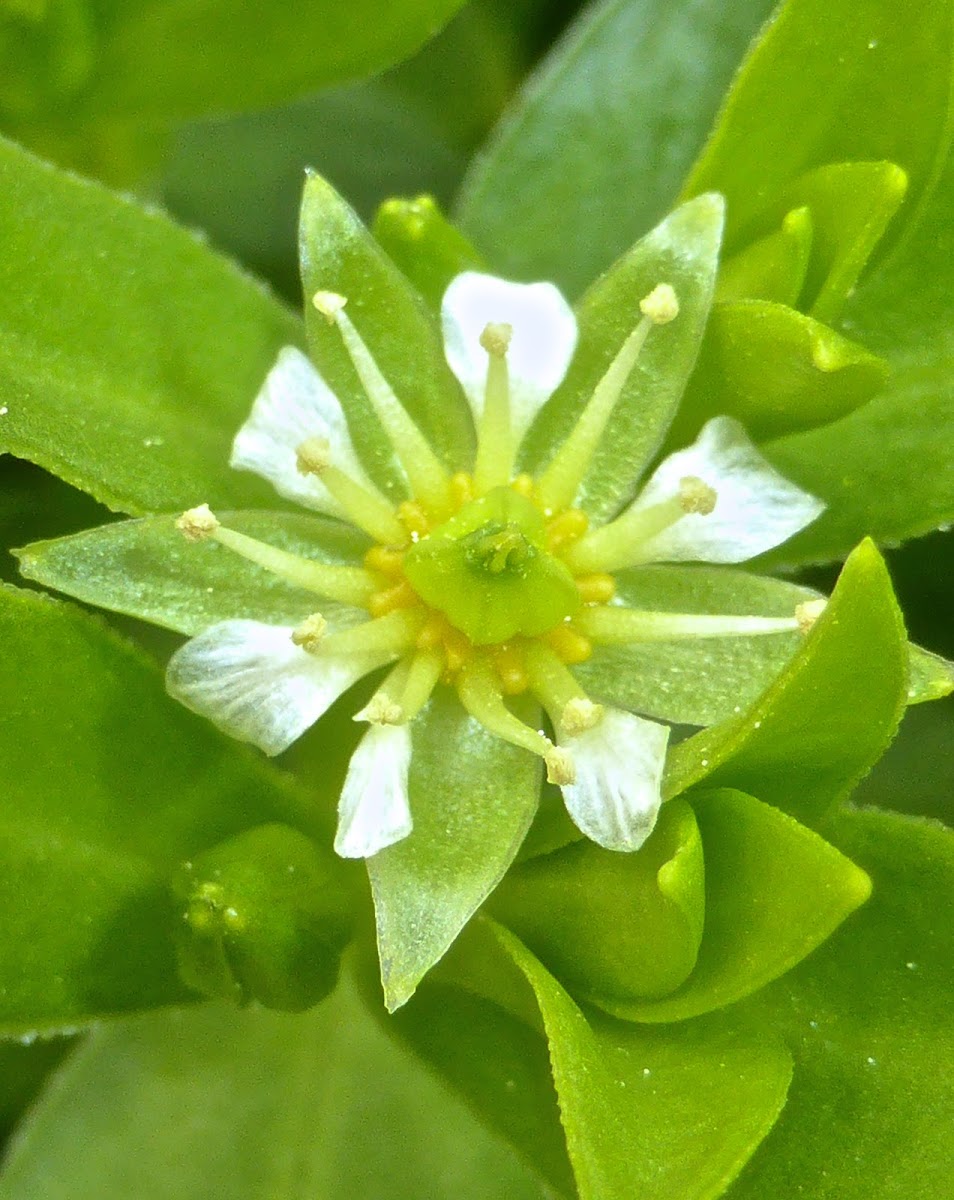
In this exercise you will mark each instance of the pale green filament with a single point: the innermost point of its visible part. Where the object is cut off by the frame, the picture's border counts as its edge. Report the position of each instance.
(609, 624)
(429, 481)
(550, 679)
(347, 585)
(495, 442)
(394, 633)
(479, 689)
(365, 508)
(423, 674)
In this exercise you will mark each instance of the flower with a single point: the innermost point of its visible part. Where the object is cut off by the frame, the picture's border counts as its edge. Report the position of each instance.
(492, 582)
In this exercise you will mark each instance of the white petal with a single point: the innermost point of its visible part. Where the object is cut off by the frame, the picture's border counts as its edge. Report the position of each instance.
(294, 404)
(374, 810)
(619, 765)
(256, 684)
(756, 507)
(544, 338)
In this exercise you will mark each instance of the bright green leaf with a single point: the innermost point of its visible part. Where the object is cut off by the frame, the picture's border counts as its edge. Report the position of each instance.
(129, 355)
(682, 251)
(828, 717)
(773, 267)
(774, 891)
(557, 905)
(830, 83)
(147, 569)
(108, 787)
(593, 152)
(868, 1020)
(424, 244)
(244, 1104)
(473, 798)
(338, 254)
(931, 677)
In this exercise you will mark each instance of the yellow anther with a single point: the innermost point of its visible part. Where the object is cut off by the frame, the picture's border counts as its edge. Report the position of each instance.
(329, 304)
(413, 517)
(432, 635)
(385, 560)
(579, 715)
(313, 456)
(599, 588)
(381, 710)
(401, 595)
(570, 646)
(462, 489)
(495, 338)
(808, 612)
(661, 305)
(458, 650)
(512, 669)
(198, 523)
(560, 767)
(310, 633)
(696, 496)
(523, 485)
(566, 528)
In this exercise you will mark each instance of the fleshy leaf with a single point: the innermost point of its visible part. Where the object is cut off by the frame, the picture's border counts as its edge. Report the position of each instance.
(773, 267)
(827, 718)
(128, 356)
(682, 251)
(868, 1020)
(558, 905)
(774, 891)
(147, 569)
(108, 788)
(338, 254)
(473, 797)
(829, 83)
(593, 151)
(425, 245)
(246, 1104)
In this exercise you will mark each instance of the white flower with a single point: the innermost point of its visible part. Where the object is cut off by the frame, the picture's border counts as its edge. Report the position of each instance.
(375, 810)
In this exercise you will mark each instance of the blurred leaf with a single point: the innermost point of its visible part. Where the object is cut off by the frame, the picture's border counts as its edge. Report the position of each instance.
(147, 569)
(23, 1070)
(828, 717)
(773, 267)
(424, 244)
(682, 251)
(557, 905)
(774, 892)
(108, 787)
(246, 1104)
(593, 152)
(931, 677)
(129, 355)
(916, 775)
(868, 1020)
(830, 83)
(473, 797)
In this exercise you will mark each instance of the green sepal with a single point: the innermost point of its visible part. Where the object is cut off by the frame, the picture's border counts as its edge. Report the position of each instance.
(262, 917)
(774, 892)
(147, 569)
(773, 267)
(776, 370)
(827, 718)
(558, 905)
(682, 251)
(424, 244)
(338, 254)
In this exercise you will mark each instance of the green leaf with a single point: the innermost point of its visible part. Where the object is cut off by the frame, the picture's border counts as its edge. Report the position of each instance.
(425, 245)
(129, 355)
(656, 1113)
(248, 1104)
(147, 569)
(473, 797)
(339, 255)
(682, 251)
(829, 716)
(868, 1020)
(695, 681)
(931, 677)
(160, 60)
(593, 152)
(830, 83)
(774, 892)
(777, 371)
(772, 268)
(108, 787)
(558, 904)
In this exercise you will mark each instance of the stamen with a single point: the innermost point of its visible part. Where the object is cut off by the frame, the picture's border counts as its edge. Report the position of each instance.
(380, 710)
(511, 668)
(385, 560)
(567, 528)
(310, 633)
(596, 589)
(427, 477)
(393, 633)
(479, 691)
(562, 478)
(401, 595)
(559, 691)
(495, 442)
(579, 715)
(348, 585)
(523, 485)
(611, 625)
(808, 612)
(561, 769)
(414, 519)
(623, 542)
(462, 489)
(571, 646)
(423, 675)
(365, 507)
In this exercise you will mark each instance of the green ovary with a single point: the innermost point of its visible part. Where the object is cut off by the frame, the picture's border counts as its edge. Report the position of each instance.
(488, 571)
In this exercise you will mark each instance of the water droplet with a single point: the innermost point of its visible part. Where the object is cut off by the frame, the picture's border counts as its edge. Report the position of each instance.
(3, 410)
(152, 441)
(646, 1072)
(757, 724)
(873, 44)
(872, 1062)
(912, 966)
